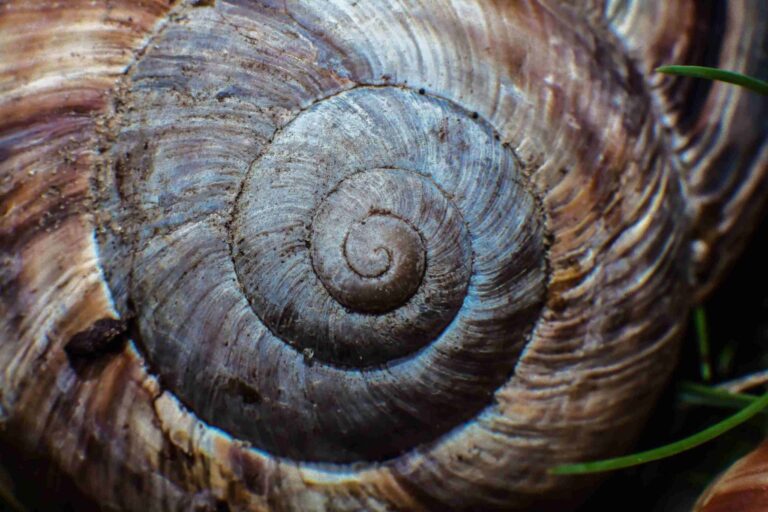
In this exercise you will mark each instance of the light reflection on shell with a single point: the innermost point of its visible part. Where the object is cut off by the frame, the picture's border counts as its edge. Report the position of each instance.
(198, 176)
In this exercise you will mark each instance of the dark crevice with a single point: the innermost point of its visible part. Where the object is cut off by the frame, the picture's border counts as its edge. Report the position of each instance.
(711, 18)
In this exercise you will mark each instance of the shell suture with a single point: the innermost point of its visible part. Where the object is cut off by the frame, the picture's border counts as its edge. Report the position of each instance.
(409, 268)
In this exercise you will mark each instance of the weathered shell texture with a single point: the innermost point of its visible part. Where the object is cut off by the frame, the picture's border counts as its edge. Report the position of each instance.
(369, 255)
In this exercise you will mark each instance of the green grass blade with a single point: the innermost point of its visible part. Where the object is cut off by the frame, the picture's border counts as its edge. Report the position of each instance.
(702, 335)
(721, 75)
(725, 360)
(668, 450)
(698, 394)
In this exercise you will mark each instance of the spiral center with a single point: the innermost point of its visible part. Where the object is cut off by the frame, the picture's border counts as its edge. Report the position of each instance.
(379, 266)
(366, 247)
(361, 268)
(375, 283)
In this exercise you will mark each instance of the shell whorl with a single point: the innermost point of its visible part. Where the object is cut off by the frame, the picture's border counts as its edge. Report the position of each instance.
(377, 270)
(360, 269)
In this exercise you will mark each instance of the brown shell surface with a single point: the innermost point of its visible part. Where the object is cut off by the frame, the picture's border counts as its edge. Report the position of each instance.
(176, 178)
(743, 487)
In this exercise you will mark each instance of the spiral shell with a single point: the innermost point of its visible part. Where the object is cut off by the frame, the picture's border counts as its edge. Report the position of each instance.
(343, 295)
(350, 255)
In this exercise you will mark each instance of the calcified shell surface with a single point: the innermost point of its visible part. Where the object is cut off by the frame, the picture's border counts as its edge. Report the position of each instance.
(342, 255)
(341, 294)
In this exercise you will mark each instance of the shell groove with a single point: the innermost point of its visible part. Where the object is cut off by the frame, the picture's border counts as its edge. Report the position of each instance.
(259, 290)
(542, 199)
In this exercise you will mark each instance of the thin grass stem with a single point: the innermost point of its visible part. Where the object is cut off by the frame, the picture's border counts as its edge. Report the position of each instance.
(702, 336)
(721, 75)
(662, 452)
(692, 393)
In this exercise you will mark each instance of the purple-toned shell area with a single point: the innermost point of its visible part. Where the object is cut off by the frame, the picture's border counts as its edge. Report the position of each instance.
(355, 255)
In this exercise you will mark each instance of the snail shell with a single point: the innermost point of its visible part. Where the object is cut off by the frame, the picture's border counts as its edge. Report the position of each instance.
(742, 487)
(365, 255)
